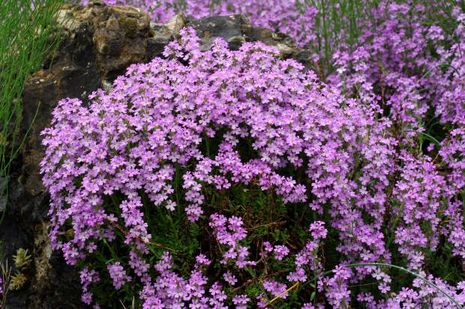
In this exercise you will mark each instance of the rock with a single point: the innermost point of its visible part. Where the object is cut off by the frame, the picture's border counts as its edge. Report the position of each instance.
(98, 43)
(236, 30)
(120, 35)
(231, 28)
(164, 33)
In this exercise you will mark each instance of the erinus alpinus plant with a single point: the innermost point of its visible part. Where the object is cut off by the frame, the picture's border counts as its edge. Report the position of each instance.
(236, 179)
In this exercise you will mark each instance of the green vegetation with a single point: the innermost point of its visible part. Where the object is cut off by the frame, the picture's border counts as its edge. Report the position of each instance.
(26, 28)
(338, 22)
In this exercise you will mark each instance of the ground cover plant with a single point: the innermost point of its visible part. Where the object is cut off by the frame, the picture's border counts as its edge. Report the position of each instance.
(216, 179)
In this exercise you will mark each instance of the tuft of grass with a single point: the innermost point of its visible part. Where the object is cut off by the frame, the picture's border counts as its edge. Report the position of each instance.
(339, 23)
(26, 37)
(5, 275)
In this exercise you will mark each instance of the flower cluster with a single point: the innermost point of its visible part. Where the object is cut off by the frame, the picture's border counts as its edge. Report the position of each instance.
(408, 65)
(359, 158)
(157, 118)
(229, 232)
(88, 277)
(118, 275)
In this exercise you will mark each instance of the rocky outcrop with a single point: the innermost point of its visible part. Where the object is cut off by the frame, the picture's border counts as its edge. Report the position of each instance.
(98, 44)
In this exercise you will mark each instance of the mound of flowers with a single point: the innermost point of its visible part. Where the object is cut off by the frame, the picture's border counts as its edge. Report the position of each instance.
(226, 178)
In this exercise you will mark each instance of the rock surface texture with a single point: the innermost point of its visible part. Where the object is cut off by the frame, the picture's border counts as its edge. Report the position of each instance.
(98, 44)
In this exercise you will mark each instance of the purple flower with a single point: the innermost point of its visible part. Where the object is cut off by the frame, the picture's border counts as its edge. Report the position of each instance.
(118, 275)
